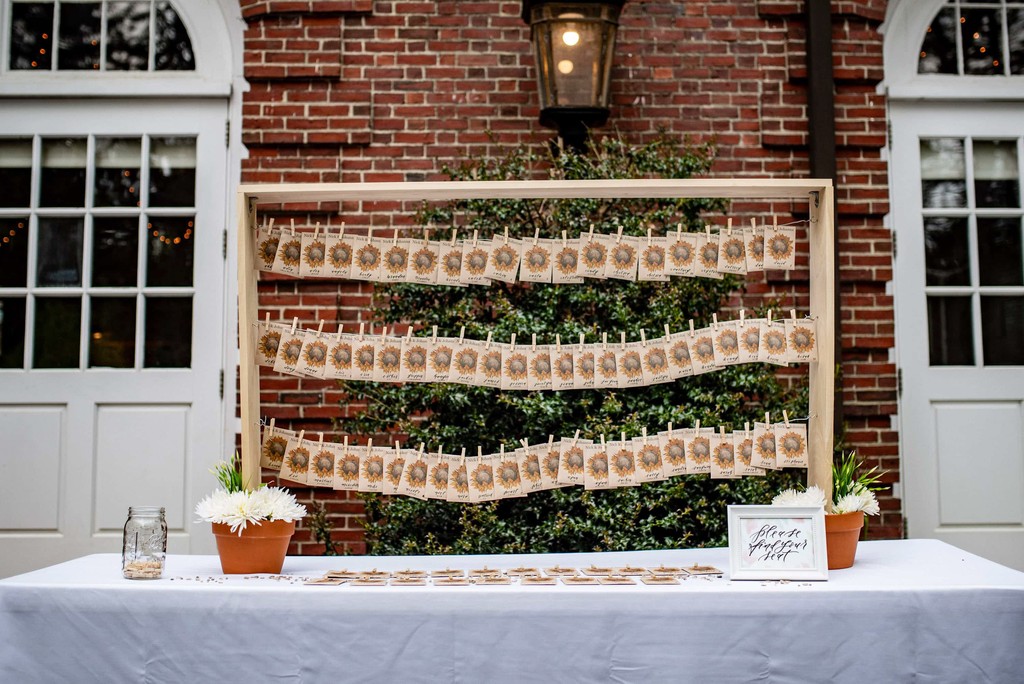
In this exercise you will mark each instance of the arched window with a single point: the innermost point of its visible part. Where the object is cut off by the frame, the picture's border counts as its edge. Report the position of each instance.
(137, 35)
(974, 39)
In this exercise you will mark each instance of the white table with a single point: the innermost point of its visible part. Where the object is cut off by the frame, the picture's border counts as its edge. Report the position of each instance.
(908, 611)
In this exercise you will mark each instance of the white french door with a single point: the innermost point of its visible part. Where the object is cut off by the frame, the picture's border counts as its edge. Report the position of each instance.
(959, 295)
(112, 216)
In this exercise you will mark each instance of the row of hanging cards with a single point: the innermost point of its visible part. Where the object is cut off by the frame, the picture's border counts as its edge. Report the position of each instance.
(531, 366)
(593, 464)
(477, 261)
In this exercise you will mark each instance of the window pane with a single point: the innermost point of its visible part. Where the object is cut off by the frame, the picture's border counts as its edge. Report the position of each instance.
(173, 47)
(79, 36)
(999, 251)
(12, 332)
(31, 39)
(118, 161)
(982, 31)
(946, 257)
(57, 328)
(115, 251)
(950, 339)
(128, 36)
(15, 172)
(938, 49)
(1002, 330)
(62, 182)
(942, 173)
(14, 252)
(172, 172)
(59, 262)
(1015, 27)
(996, 176)
(112, 332)
(170, 251)
(168, 332)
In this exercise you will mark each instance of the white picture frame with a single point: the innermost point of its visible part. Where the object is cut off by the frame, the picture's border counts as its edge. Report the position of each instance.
(777, 543)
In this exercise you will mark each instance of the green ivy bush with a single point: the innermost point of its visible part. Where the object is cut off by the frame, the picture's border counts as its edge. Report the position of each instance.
(685, 511)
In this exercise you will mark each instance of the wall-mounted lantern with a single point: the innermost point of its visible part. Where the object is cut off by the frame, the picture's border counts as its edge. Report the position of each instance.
(573, 44)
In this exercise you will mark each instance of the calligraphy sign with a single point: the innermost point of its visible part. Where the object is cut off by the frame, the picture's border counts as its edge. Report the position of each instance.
(776, 542)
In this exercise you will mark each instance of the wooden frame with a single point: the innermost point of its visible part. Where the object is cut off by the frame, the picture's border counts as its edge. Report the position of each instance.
(785, 542)
(817, 192)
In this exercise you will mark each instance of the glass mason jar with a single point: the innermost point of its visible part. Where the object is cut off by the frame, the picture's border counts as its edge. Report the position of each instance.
(145, 543)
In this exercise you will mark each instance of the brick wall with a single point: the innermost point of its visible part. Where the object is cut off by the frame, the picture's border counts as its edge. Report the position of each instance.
(390, 91)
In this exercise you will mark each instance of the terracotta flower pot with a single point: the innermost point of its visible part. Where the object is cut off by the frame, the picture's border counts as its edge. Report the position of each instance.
(841, 534)
(261, 548)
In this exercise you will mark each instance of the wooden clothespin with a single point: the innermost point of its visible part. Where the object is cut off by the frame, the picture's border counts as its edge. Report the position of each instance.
(295, 324)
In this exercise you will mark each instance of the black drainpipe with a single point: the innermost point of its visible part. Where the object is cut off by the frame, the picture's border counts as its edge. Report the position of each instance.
(821, 129)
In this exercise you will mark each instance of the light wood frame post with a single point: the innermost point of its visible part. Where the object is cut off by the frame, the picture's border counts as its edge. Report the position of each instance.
(248, 371)
(822, 382)
(822, 274)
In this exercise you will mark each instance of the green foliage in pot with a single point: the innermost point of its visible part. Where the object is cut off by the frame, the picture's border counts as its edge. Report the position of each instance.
(681, 512)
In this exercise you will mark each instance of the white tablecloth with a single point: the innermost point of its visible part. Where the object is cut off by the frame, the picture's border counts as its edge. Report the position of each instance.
(908, 611)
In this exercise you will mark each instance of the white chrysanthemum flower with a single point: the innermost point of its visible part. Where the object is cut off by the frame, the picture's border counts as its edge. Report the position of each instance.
(238, 509)
(812, 496)
(863, 500)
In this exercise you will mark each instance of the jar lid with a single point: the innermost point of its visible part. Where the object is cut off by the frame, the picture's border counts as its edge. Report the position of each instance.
(146, 510)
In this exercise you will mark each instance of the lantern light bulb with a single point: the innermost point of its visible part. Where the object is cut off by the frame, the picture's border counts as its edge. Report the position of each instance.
(570, 38)
(565, 66)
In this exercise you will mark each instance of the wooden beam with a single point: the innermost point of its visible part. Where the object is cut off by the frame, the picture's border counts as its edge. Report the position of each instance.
(248, 371)
(734, 188)
(822, 373)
